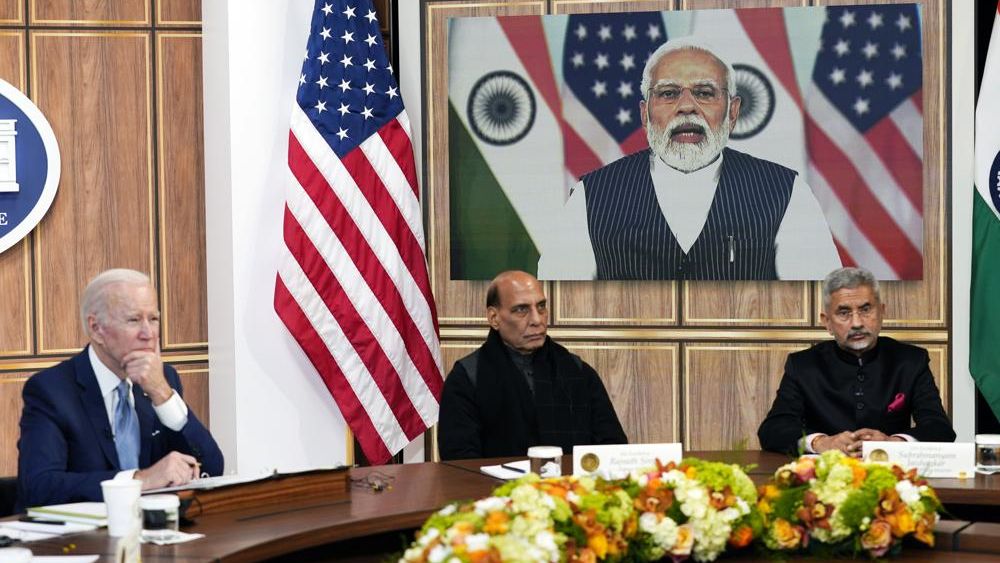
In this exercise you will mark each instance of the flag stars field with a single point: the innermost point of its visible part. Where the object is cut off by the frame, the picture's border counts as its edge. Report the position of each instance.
(875, 20)
(903, 22)
(629, 33)
(605, 33)
(847, 19)
(837, 76)
(600, 88)
(601, 61)
(870, 50)
(843, 47)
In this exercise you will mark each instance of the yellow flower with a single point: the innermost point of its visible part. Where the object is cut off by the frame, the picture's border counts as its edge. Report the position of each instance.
(496, 523)
(786, 535)
(925, 529)
(685, 540)
(599, 544)
(878, 539)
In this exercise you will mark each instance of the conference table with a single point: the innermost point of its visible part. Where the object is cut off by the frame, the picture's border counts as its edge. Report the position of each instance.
(385, 504)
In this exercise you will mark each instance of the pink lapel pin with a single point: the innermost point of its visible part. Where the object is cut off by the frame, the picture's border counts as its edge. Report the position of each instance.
(897, 402)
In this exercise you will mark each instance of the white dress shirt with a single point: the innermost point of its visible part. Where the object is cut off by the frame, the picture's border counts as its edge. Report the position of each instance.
(804, 248)
(172, 413)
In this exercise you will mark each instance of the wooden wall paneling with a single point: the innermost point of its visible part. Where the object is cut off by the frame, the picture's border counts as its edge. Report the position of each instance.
(613, 302)
(926, 302)
(941, 371)
(11, 12)
(194, 379)
(105, 13)
(643, 383)
(178, 12)
(11, 404)
(181, 171)
(95, 90)
(728, 390)
(15, 262)
(458, 302)
(712, 4)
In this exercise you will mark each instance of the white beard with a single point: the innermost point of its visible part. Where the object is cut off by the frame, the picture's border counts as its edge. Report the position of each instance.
(688, 157)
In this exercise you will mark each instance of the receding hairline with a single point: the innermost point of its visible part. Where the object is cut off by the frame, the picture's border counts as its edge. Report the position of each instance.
(849, 278)
(682, 44)
(493, 297)
(95, 298)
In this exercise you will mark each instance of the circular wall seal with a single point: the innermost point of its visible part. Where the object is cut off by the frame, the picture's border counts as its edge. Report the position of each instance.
(757, 101)
(29, 165)
(501, 108)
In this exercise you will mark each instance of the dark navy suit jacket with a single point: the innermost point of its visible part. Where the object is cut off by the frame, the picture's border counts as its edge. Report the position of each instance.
(67, 448)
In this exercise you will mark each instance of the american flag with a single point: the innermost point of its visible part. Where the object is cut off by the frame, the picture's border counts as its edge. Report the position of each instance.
(603, 58)
(352, 287)
(864, 129)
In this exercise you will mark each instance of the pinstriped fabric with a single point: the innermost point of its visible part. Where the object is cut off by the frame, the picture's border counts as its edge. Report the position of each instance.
(632, 240)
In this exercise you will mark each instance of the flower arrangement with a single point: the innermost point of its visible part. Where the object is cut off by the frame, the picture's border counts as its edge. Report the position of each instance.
(837, 505)
(695, 509)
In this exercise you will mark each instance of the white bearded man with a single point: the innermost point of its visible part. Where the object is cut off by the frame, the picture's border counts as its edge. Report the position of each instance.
(689, 207)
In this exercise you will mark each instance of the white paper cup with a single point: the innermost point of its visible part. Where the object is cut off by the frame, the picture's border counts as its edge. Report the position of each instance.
(121, 497)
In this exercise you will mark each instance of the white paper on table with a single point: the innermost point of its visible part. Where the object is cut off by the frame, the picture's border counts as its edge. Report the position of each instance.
(501, 472)
(21, 535)
(64, 558)
(52, 529)
(168, 537)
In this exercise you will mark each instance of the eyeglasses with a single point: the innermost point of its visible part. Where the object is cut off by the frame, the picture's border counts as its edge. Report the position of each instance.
(865, 312)
(704, 94)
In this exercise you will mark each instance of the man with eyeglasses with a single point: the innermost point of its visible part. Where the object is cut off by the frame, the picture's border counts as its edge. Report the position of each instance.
(113, 411)
(689, 207)
(859, 387)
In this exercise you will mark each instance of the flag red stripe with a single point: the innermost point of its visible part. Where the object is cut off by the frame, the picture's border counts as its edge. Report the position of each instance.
(311, 343)
(899, 159)
(635, 142)
(367, 263)
(398, 143)
(371, 186)
(854, 194)
(579, 158)
(918, 99)
(527, 38)
(845, 255)
(328, 287)
(766, 29)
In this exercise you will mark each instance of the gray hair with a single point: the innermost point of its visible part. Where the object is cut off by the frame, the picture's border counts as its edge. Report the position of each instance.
(690, 43)
(95, 297)
(848, 278)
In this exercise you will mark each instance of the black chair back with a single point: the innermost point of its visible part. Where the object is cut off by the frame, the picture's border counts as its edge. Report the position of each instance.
(8, 495)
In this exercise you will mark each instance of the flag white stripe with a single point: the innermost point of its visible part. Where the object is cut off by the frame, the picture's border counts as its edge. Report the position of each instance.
(878, 179)
(365, 302)
(396, 184)
(593, 134)
(404, 123)
(910, 122)
(381, 244)
(845, 230)
(333, 337)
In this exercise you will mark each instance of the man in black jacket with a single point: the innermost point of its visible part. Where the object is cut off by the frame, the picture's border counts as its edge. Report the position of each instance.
(860, 387)
(521, 389)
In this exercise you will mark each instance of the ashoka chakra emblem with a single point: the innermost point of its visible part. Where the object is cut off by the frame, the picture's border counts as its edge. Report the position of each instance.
(501, 108)
(757, 101)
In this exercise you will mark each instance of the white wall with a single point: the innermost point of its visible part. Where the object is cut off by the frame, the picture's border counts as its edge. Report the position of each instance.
(269, 409)
(963, 391)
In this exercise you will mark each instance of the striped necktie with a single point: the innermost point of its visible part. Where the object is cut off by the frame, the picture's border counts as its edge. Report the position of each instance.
(126, 430)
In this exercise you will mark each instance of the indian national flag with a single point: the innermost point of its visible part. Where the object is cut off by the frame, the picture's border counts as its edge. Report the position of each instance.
(984, 354)
(505, 146)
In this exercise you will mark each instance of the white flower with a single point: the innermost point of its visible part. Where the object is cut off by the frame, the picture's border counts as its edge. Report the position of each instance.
(742, 506)
(907, 492)
(438, 553)
(572, 497)
(448, 510)
(477, 542)
(648, 521)
(547, 541)
(490, 504)
(429, 536)
(643, 480)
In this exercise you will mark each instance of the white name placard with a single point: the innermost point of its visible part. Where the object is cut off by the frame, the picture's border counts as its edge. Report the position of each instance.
(619, 460)
(932, 459)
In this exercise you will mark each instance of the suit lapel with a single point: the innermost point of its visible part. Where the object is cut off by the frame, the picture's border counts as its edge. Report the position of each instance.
(93, 404)
(144, 410)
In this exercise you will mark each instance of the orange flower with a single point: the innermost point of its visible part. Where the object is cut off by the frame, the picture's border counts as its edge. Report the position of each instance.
(489, 556)
(654, 500)
(894, 511)
(860, 473)
(690, 472)
(788, 536)
(878, 538)
(463, 527)
(553, 488)
(925, 530)
(769, 492)
(741, 537)
(813, 513)
(496, 523)
(585, 555)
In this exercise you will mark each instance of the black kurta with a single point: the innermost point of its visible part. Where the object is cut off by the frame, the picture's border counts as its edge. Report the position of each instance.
(826, 389)
(488, 409)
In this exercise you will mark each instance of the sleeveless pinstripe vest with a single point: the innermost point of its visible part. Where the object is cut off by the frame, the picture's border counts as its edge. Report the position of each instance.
(632, 240)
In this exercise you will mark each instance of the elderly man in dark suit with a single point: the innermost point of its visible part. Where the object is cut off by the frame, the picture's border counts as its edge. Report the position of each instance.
(859, 387)
(112, 411)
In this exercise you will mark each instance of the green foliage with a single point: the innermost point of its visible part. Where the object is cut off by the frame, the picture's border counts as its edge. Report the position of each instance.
(717, 476)
(785, 505)
(505, 489)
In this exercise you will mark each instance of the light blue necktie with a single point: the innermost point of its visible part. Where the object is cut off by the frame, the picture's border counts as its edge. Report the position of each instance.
(126, 430)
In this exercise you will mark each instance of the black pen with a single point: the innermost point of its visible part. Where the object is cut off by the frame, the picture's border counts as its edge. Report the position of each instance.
(512, 468)
(33, 520)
